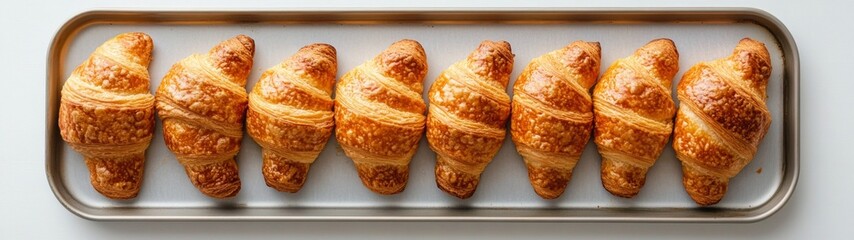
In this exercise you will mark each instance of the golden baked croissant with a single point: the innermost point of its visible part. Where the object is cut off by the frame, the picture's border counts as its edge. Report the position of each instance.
(202, 102)
(290, 114)
(469, 107)
(107, 113)
(552, 114)
(722, 118)
(379, 115)
(633, 113)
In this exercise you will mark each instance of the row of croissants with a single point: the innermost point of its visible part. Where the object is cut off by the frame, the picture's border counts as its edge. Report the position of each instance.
(378, 115)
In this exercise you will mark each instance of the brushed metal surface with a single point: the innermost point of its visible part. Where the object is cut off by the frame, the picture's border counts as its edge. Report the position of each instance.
(333, 191)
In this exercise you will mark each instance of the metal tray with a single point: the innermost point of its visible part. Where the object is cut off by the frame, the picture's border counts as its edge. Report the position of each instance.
(333, 191)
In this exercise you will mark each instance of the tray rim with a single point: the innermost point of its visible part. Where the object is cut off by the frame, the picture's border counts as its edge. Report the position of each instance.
(791, 115)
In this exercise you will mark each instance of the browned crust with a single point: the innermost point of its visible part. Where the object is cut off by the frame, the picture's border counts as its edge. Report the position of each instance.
(454, 182)
(467, 148)
(548, 134)
(105, 134)
(548, 182)
(704, 189)
(722, 119)
(493, 60)
(185, 139)
(383, 179)
(547, 80)
(458, 100)
(282, 174)
(117, 178)
(287, 136)
(621, 179)
(377, 138)
(628, 139)
(234, 58)
(463, 153)
(90, 124)
(692, 142)
(218, 180)
(405, 61)
(195, 93)
(632, 136)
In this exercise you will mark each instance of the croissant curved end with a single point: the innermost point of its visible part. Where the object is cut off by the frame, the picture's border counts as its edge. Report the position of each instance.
(137, 44)
(752, 59)
(493, 59)
(406, 61)
(282, 174)
(217, 180)
(319, 62)
(704, 189)
(622, 179)
(662, 57)
(234, 57)
(117, 177)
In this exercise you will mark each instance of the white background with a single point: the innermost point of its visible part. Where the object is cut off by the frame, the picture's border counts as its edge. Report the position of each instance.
(820, 206)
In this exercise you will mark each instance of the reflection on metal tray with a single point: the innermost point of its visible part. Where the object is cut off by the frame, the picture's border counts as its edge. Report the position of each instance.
(333, 191)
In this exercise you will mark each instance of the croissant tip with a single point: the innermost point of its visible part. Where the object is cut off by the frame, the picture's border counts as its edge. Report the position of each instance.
(704, 189)
(138, 35)
(593, 48)
(622, 179)
(663, 40)
(750, 43)
(620, 187)
(247, 42)
(407, 44)
(283, 174)
(136, 42)
(497, 44)
(222, 194)
(116, 178)
(282, 187)
(503, 43)
(454, 182)
(383, 179)
(322, 49)
(662, 43)
(117, 196)
(404, 47)
(548, 193)
(749, 40)
(407, 41)
(499, 58)
(320, 46)
(461, 194)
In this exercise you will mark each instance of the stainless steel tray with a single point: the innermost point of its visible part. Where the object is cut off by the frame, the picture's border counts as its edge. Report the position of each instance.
(333, 191)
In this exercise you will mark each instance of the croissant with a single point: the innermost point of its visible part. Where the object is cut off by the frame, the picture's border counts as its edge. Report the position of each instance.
(106, 113)
(721, 120)
(633, 114)
(552, 114)
(469, 107)
(379, 115)
(202, 102)
(290, 114)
